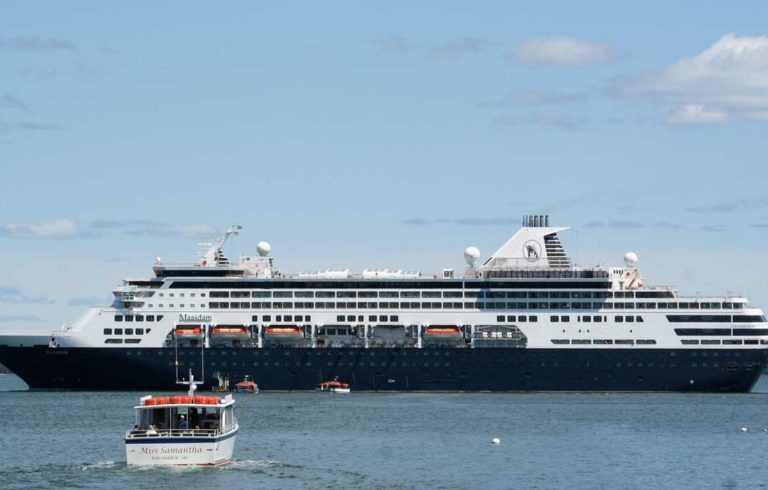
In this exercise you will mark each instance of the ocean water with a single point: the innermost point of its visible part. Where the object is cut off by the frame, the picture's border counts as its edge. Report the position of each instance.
(405, 440)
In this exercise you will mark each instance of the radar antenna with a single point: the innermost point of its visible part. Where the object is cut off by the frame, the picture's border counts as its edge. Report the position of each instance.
(213, 255)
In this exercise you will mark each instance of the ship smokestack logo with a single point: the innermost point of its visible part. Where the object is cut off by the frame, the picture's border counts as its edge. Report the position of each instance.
(532, 250)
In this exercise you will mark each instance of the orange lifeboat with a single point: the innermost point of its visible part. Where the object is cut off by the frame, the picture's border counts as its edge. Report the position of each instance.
(283, 331)
(211, 400)
(283, 334)
(443, 331)
(189, 331)
(230, 331)
(200, 400)
(443, 334)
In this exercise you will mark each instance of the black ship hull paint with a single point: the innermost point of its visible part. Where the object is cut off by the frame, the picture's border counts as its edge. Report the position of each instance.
(379, 369)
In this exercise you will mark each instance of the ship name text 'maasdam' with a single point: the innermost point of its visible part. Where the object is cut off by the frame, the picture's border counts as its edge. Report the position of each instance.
(525, 318)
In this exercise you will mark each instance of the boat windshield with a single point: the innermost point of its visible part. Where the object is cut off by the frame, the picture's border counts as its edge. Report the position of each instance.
(179, 418)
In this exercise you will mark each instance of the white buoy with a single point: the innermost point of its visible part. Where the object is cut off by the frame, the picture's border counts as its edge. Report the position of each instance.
(495, 441)
(744, 429)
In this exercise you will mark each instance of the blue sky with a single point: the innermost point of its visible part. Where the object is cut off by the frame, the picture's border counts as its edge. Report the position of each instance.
(377, 134)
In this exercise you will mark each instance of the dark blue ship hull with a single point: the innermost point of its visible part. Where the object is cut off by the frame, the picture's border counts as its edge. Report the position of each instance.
(378, 369)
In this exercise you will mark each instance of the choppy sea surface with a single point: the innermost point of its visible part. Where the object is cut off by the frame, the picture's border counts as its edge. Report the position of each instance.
(405, 440)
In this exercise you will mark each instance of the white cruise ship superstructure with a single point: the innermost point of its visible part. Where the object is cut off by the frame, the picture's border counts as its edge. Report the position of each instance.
(525, 318)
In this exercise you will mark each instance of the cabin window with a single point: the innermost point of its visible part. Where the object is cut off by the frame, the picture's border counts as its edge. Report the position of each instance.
(598, 319)
(619, 319)
(118, 318)
(500, 318)
(255, 318)
(639, 319)
(630, 319)
(586, 319)
(393, 318)
(522, 319)
(646, 342)
(159, 317)
(118, 331)
(107, 331)
(748, 318)
(533, 318)
(371, 318)
(218, 294)
(339, 318)
(261, 294)
(128, 331)
(565, 318)
(139, 318)
(405, 294)
(113, 341)
(132, 341)
(554, 319)
(267, 318)
(279, 318)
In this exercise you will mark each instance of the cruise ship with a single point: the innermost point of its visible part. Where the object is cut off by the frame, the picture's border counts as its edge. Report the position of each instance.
(523, 319)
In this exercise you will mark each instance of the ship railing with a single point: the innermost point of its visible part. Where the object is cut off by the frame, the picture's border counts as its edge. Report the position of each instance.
(170, 433)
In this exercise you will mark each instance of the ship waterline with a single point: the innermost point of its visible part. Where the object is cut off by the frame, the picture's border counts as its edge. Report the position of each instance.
(375, 369)
(525, 319)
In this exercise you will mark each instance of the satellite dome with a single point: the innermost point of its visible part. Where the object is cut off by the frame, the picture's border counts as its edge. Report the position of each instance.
(630, 258)
(471, 254)
(263, 248)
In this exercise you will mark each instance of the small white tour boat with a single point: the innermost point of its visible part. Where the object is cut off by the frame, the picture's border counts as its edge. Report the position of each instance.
(334, 386)
(182, 430)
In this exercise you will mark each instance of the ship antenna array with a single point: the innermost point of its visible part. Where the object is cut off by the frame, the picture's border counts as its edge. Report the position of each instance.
(191, 380)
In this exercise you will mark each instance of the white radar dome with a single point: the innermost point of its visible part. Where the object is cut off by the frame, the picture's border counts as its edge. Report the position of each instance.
(630, 258)
(263, 248)
(471, 254)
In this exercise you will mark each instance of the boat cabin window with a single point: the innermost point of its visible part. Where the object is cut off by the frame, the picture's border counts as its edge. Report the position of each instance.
(128, 331)
(107, 331)
(150, 318)
(118, 331)
(118, 318)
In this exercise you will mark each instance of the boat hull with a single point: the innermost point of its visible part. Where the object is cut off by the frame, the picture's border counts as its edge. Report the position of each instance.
(180, 451)
(380, 369)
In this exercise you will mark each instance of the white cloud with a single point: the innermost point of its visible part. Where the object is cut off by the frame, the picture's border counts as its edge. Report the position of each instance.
(730, 78)
(562, 51)
(64, 228)
(61, 228)
(692, 115)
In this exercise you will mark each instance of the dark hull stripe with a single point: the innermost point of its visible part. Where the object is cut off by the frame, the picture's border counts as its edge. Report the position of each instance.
(378, 369)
